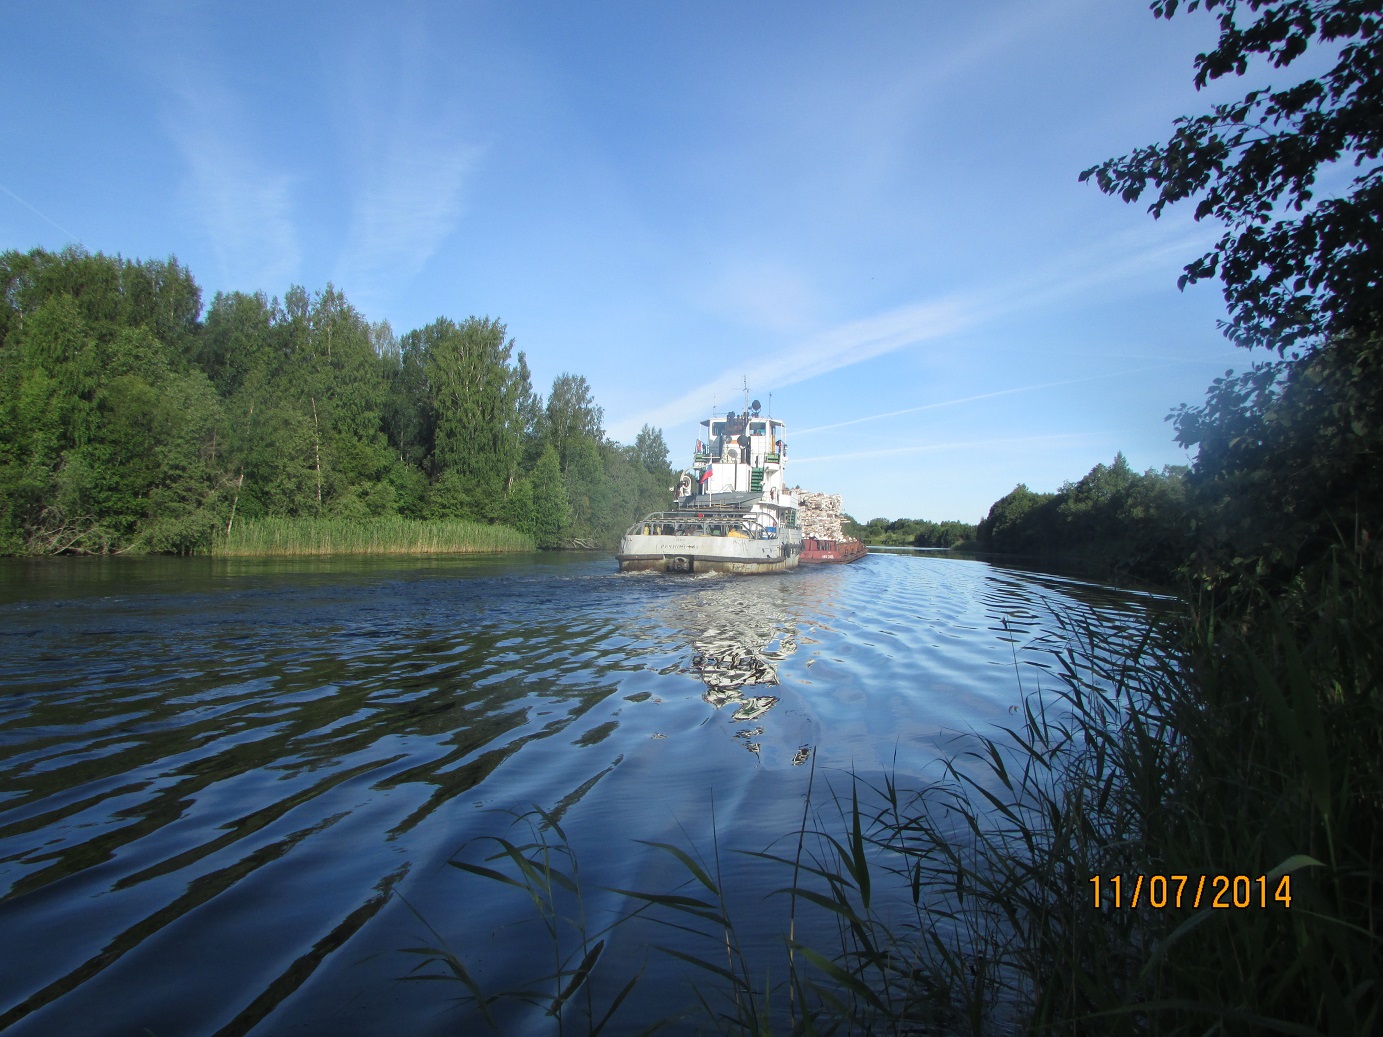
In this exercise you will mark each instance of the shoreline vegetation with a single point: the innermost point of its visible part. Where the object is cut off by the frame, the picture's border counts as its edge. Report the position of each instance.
(304, 537)
(880, 532)
(1111, 523)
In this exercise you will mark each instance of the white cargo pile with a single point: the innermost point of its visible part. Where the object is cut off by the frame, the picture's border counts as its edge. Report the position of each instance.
(819, 514)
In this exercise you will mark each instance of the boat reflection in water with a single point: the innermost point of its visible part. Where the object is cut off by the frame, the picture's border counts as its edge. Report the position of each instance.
(738, 660)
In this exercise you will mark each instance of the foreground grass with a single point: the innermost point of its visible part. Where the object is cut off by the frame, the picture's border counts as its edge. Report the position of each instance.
(381, 536)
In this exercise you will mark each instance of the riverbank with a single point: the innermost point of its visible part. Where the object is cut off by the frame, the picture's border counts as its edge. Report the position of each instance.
(305, 537)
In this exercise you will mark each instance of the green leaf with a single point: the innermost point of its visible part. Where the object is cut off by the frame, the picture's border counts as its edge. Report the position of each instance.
(846, 979)
(582, 973)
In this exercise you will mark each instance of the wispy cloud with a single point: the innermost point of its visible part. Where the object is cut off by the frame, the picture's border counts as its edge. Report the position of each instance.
(1003, 392)
(933, 448)
(864, 339)
(407, 201)
(242, 202)
(411, 156)
(828, 350)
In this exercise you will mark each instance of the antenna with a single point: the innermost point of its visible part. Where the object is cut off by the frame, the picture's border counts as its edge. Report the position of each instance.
(745, 381)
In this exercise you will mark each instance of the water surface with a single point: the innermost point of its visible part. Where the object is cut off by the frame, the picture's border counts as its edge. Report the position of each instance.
(229, 789)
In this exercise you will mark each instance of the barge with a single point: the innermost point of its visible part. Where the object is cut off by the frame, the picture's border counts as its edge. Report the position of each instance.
(816, 549)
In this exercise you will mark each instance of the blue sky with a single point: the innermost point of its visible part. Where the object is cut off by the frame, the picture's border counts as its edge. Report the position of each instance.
(869, 211)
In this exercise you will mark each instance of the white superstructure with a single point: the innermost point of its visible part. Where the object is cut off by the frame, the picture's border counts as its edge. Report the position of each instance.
(733, 511)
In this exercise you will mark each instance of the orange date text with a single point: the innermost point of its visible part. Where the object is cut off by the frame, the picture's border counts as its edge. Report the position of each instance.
(1194, 891)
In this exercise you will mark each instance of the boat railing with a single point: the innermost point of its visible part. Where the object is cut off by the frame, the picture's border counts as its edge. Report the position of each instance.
(745, 524)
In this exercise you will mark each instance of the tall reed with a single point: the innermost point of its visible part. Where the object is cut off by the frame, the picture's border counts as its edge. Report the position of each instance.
(544, 868)
(377, 536)
(1249, 750)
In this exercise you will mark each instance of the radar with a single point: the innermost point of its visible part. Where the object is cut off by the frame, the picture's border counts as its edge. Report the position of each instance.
(755, 406)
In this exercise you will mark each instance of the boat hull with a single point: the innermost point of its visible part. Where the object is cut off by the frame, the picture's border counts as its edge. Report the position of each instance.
(702, 554)
(836, 552)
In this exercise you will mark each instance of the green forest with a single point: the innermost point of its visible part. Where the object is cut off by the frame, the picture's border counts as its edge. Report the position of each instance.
(133, 420)
(1112, 520)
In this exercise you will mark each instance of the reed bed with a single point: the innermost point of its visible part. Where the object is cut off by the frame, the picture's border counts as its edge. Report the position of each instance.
(308, 537)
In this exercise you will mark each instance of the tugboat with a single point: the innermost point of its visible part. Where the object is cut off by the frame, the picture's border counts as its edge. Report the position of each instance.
(733, 512)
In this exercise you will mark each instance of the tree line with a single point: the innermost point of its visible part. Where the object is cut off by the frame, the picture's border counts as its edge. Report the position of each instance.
(1111, 520)
(905, 532)
(131, 420)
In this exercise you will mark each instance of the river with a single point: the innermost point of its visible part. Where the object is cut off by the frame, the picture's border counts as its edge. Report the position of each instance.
(229, 790)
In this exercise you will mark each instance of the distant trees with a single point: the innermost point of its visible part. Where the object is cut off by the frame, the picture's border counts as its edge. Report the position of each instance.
(1020, 522)
(650, 450)
(549, 515)
(304, 395)
(107, 431)
(1113, 519)
(909, 532)
(130, 421)
(480, 411)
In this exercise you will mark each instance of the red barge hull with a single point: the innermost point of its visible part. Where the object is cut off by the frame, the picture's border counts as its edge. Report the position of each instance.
(837, 551)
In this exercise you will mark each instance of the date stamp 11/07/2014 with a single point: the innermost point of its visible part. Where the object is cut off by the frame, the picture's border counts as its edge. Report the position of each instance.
(1162, 892)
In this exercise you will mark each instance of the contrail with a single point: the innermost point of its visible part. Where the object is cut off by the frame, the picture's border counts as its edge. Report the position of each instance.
(40, 215)
(991, 395)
